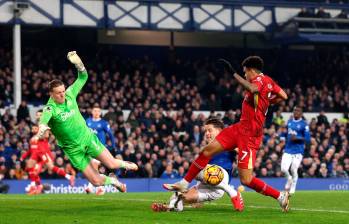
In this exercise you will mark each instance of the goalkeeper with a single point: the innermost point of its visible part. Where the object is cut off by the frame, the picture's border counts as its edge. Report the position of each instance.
(61, 114)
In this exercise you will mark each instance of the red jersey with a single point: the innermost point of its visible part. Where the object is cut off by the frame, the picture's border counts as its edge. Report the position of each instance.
(255, 106)
(37, 149)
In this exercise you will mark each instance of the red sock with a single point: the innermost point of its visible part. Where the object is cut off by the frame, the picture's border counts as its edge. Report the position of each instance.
(37, 180)
(31, 173)
(261, 187)
(197, 165)
(59, 171)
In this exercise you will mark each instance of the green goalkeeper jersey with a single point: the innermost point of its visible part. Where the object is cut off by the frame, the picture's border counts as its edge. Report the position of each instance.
(65, 120)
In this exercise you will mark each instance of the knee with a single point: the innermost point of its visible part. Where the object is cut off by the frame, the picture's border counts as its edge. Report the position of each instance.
(294, 172)
(245, 180)
(284, 170)
(207, 151)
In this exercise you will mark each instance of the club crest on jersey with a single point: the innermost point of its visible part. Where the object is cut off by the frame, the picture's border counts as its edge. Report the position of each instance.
(65, 115)
(48, 109)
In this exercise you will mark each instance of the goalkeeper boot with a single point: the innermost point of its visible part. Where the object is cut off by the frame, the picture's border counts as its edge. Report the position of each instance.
(100, 190)
(117, 184)
(130, 166)
(284, 201)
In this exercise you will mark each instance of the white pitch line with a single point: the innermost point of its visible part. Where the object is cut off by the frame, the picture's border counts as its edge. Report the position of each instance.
(150, 200)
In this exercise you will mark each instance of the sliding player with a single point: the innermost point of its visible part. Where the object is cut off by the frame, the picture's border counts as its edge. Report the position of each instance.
(203, 192)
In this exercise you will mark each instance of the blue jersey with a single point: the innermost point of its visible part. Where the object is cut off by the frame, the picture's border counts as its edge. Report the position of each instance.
(300, 129)
(224, 160)
(101, 128)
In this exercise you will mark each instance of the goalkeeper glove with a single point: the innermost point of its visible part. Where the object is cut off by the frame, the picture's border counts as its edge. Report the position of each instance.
(74, 58)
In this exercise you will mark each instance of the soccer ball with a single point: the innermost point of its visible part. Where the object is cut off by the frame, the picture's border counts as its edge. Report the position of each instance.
(213, 175)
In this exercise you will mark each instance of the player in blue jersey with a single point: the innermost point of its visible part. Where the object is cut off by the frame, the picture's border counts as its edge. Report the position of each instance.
(203, 192)
(297, 135)
(101, 128)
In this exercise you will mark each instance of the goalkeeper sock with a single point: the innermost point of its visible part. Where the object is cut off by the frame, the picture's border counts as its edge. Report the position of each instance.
(261, 187)
(111, 181)
(197, 165)
(122, 164)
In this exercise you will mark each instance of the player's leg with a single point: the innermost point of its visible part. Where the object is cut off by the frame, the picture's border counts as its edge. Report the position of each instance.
(30, 169)
(285, 167)
(59, 171)
(95, 164)
(109, 161)
(100, 189)
(101, 180)
(294, 171)
(248, 147)
(197, 165)
(81, 160)
(235, 197)
(98, 151)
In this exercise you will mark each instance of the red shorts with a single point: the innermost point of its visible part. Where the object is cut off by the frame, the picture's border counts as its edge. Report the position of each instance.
(230, 138)
(42, 157)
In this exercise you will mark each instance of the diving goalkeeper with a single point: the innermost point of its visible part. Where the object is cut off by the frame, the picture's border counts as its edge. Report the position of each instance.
(61, 114)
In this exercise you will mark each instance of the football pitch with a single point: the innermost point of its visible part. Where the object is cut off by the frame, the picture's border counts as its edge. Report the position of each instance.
(306, 207)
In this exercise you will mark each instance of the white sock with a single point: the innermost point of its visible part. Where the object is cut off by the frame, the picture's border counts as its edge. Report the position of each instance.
(184, 182)
(228, 189)
(67, 176)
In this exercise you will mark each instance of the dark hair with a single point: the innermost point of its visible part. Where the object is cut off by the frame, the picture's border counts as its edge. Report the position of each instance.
(96, 105)
(54, 83)
(215, 121)
(40, 111)
(255, 62)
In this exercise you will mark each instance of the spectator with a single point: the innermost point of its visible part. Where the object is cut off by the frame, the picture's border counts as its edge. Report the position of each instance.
(169, 172)
(23, 112)
(321, 13)
(342, 15)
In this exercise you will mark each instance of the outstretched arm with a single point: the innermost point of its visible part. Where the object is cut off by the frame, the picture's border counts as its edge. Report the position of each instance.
(75, 88)
(253, 88)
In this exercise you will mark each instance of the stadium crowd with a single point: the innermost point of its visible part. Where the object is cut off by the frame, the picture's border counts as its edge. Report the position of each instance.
(162, 134)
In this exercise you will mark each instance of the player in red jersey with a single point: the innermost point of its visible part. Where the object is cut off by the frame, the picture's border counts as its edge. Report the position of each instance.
(40, 155)
(261, 91)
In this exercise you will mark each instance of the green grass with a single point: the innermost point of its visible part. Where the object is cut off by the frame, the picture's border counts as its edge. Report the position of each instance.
(306, 207)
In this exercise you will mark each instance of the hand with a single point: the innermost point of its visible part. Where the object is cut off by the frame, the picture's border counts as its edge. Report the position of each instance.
(293, 138)
(74, 58)
(227, 65)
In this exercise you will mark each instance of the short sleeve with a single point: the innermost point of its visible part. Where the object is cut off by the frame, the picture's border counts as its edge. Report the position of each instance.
(258, 81)
(276, 87)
